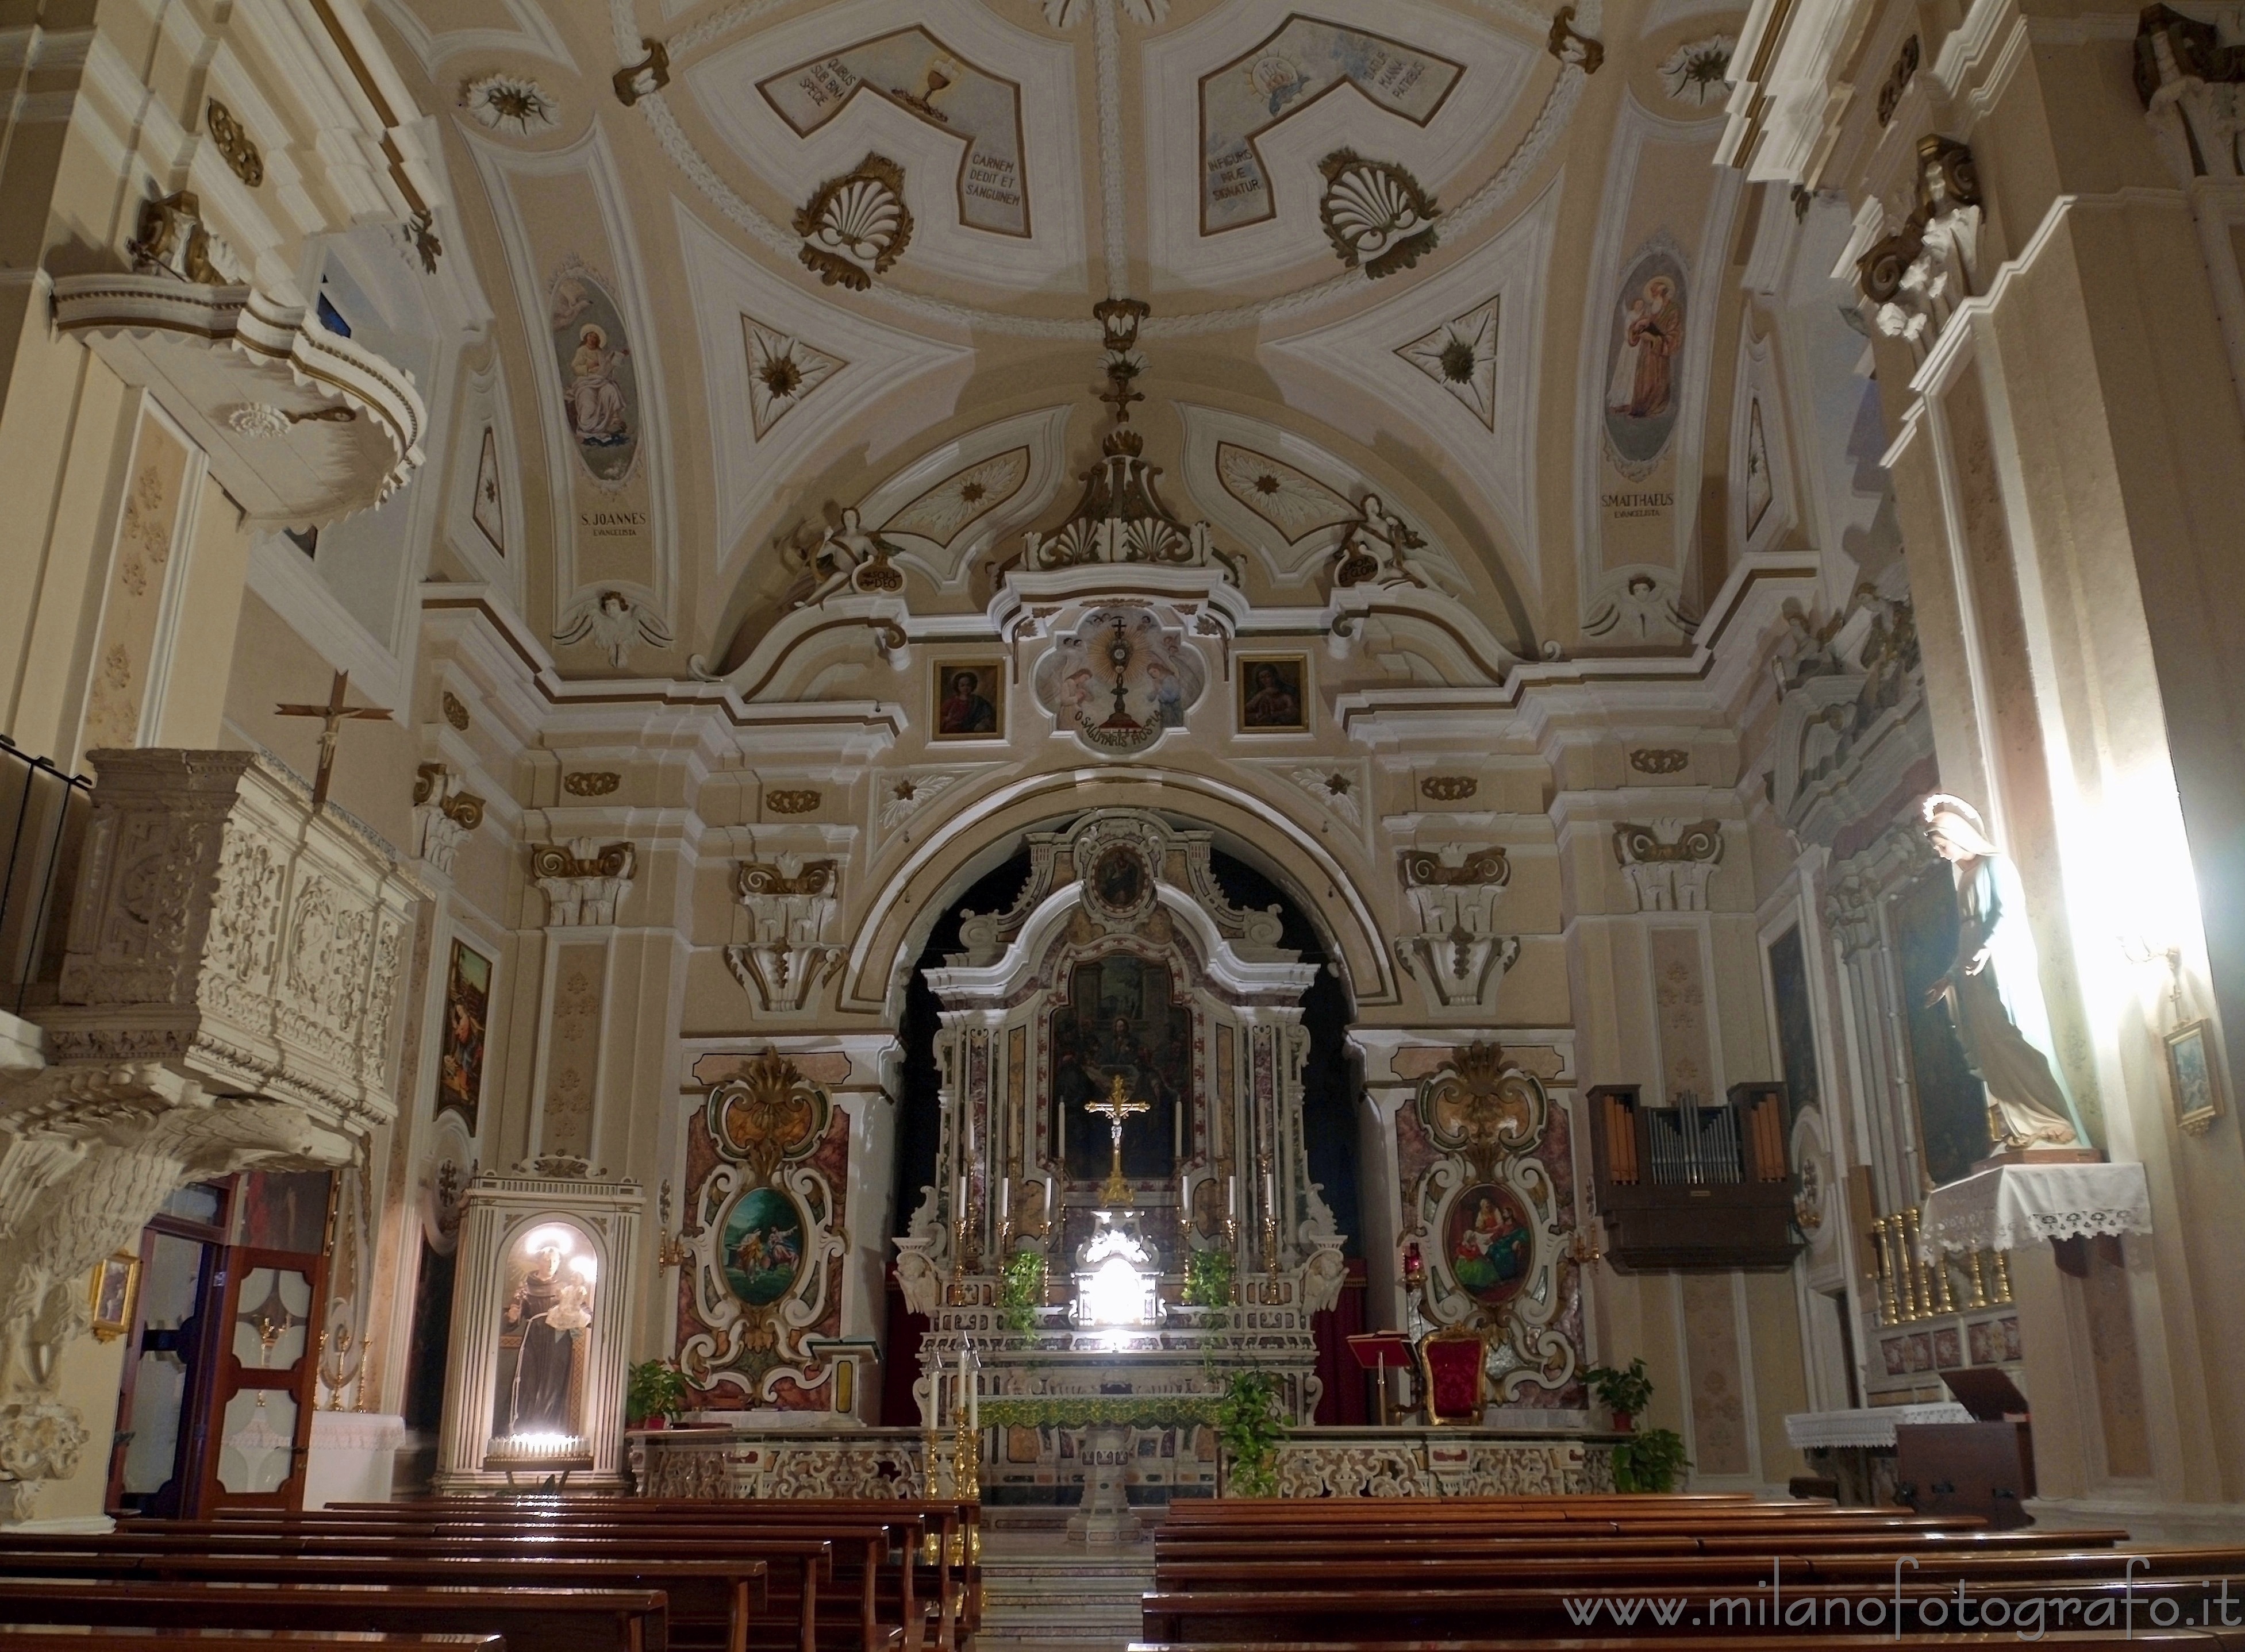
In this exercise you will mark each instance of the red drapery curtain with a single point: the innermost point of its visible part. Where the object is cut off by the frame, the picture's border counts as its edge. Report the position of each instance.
(1344, 1402)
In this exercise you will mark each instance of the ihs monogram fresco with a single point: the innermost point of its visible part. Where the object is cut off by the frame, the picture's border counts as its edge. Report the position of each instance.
(766, 1158)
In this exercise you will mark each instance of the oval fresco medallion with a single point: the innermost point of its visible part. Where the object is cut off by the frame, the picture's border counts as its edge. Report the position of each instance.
(1489, 1243)
(762, 1241)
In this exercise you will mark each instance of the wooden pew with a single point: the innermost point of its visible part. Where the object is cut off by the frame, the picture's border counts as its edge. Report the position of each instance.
(619, 1565)
(560, 1620)
(1320, 1551)
(959, 1534)
(904, 1524)
(709, 1602)
(864, 1557)
(16, 1637)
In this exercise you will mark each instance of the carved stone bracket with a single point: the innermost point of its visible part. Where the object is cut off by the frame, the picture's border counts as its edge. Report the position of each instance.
(1457, 955)
(792, 903)
(444, 812)
(1914, 279)
(582, 879)
(2189, 82)
(301, 424)
(1668, 863)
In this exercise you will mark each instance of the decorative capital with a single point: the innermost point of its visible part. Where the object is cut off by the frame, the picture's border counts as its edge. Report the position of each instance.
(582, 880)
(1668, 863)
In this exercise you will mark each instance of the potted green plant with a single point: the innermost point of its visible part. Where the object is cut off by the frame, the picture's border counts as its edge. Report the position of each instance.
(1208, 1279)
(1652, 1461)
(1625, 1393)
(1250, 1421)
(655, 1395)
(1022, 1292)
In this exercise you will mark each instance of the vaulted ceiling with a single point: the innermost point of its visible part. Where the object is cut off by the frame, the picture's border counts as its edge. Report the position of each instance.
(751, 263)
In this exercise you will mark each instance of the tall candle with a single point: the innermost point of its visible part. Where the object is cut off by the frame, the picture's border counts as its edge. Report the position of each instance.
(974, 1400)
(1005, 1197)
(1270, 1196)
(961, 1400)
(1232, 1197)
(1052, 1209)
(958, 1207)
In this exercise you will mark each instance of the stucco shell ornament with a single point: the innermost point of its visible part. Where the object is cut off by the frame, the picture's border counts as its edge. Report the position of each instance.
(1375, 214)
(511, 102)
(857, 226)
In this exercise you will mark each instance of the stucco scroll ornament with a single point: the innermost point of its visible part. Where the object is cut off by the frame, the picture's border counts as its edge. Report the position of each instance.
(856, 226)
(792, 903)
(846, 557)
(1457, 954)
(767, 1233)
(1491, 1210)
(1373, 548)
(1375, 214)
(1668, 863)
(1914, 278)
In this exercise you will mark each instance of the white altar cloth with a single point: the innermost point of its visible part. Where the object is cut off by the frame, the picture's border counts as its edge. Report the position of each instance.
(2013, 1206)
(1873, 1425)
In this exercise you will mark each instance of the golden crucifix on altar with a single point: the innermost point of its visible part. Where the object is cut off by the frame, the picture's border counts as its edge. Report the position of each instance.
(1117, 1106)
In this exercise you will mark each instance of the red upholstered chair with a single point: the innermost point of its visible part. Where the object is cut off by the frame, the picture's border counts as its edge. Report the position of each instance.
(1455, 1363)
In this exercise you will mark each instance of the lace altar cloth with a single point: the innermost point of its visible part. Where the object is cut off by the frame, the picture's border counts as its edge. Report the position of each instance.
(2013, 1206)
(1873, 1426)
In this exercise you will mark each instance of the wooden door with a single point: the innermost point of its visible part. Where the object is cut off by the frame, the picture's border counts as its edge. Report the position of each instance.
(259, 1419)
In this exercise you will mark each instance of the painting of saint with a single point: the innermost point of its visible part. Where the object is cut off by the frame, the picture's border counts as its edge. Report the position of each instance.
(547, 1317)
(1119, 1021)
(599, 388)
(762, 1246)
(460, 1057)
(1271, 695)
(1643, 365)
(1488, 1243)
(970, 700)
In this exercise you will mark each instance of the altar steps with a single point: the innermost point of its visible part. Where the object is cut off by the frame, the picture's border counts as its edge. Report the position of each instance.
(1039, 1590)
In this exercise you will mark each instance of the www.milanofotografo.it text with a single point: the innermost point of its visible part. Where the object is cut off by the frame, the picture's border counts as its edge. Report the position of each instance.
(2125, 1603)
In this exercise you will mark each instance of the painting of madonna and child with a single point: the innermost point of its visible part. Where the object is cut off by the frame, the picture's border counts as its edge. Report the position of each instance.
(1119, 1021)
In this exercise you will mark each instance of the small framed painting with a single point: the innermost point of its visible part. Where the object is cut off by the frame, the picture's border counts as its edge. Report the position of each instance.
(116, 1283)
(970, 698)
(1274, 695)
(2197, 1082)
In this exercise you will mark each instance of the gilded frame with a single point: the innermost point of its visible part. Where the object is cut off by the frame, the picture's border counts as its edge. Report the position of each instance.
(113, 1295)
(2193, 1080)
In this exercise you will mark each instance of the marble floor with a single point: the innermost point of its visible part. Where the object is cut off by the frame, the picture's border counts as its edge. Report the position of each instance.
(1040, 1590)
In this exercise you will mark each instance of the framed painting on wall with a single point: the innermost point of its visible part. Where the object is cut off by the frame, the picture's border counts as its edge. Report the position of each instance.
(1273, 694)
(460, 1057)
(970, 699)
(2197, 1083)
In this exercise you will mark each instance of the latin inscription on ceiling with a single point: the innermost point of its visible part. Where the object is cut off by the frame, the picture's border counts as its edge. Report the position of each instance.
(1273, 82)
(921, 76)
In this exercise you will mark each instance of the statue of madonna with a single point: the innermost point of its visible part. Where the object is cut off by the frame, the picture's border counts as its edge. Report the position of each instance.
(1994, 988)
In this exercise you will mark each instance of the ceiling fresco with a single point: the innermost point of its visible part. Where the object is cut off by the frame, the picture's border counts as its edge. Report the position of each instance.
(756, 264)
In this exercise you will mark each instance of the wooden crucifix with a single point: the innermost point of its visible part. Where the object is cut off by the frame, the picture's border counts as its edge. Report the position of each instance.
(1117, 1106)
(333, 715)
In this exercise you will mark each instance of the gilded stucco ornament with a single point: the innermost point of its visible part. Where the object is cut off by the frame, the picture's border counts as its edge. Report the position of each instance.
(856, 226)
(1375, 214)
